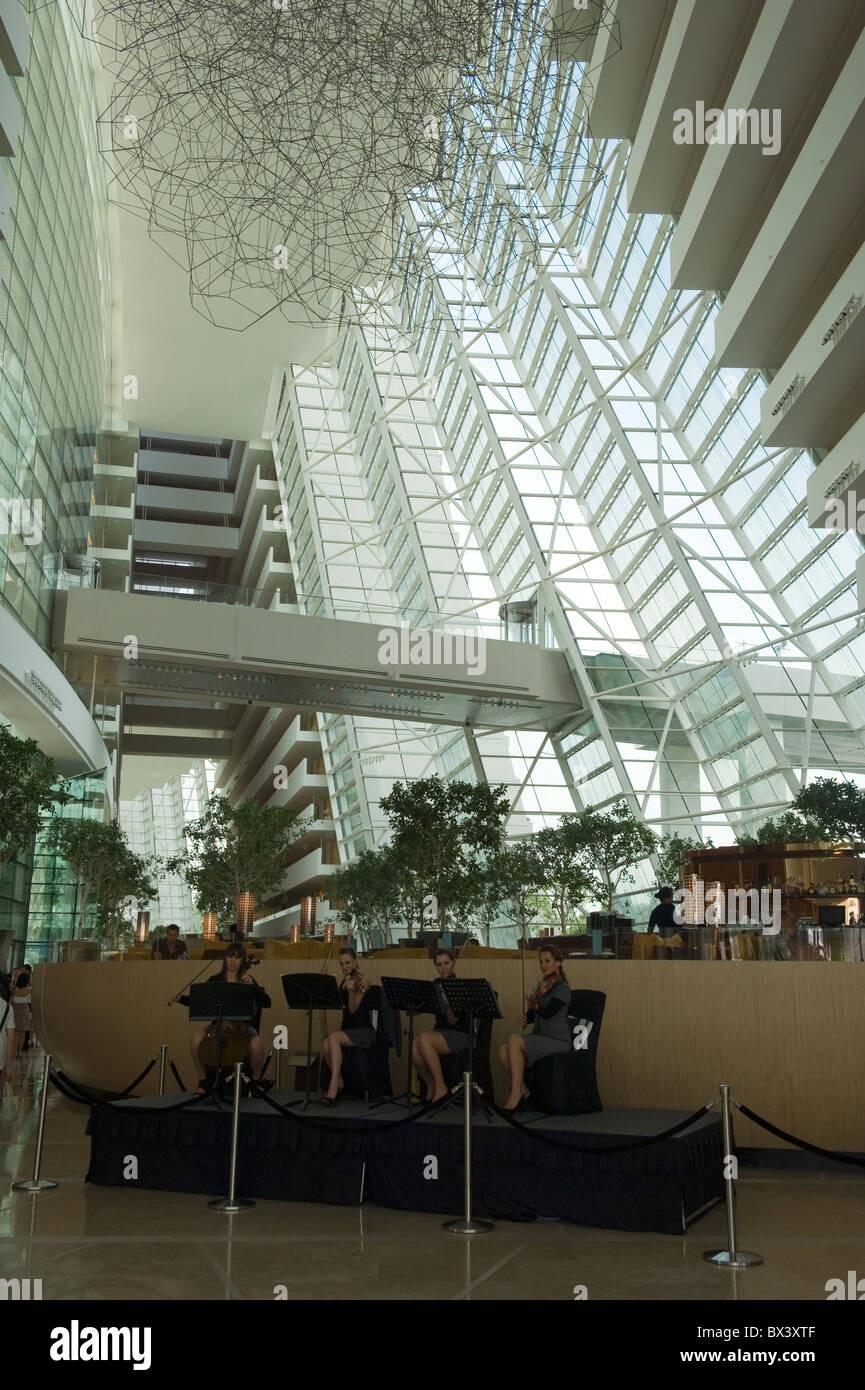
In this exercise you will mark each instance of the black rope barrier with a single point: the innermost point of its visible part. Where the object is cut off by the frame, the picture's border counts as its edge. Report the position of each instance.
(70, 1090)
(68, 1087)
(74, 1092)
(362, 1127)
(176, 1074)
(137, 1082)
(602, 1148)
(800, 1143)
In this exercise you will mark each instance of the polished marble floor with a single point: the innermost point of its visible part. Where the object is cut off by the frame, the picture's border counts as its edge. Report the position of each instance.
(97, 1243)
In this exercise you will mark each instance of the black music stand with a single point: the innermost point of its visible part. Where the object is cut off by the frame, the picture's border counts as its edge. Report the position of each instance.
(221, 1002)
(412, 997)
(310, 992)
(475, 998)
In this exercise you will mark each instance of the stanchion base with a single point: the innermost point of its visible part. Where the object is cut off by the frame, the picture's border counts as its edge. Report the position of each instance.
(475, 1227)
(741, 1260)
(28, 1185)
(226, 1204)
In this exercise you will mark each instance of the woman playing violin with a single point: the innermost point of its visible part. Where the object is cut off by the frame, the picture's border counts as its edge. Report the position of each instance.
(234, 971)
(356, 1028)
(548, 1011)
(449, 1034)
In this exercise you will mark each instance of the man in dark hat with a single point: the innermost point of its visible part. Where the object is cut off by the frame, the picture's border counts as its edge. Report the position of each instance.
(664, 915)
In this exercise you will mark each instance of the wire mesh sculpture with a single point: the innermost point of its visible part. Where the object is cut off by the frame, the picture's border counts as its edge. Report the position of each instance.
(270, 144)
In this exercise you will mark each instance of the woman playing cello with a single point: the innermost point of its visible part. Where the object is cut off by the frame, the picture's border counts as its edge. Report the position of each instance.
(234, 971)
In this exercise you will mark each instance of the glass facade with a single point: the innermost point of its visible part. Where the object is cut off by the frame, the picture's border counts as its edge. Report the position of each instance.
(558, 436)
(53, 914)
(54, 362)
(154, 822)
(54, 318)
(522, 434)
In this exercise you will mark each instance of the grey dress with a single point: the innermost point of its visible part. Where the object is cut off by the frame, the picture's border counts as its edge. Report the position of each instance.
(552, 1030)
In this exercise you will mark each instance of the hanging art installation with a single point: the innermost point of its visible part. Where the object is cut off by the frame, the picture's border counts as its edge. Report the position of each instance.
(271, 147)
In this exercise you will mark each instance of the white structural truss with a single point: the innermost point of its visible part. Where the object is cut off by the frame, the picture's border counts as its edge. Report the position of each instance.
(563, 447)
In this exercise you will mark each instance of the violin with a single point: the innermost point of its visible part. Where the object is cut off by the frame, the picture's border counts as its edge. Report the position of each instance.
(359, 982)
(545, 987)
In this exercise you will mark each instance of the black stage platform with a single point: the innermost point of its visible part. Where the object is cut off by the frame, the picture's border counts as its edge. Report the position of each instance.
(351, 1154)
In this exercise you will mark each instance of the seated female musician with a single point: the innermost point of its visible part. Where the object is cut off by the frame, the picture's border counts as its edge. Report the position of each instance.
(449, 1034)
(356, 1028)
(234, 972)
(548, 1010)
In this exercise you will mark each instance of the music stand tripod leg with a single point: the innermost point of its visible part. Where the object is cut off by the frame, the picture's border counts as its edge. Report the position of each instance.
(306, 1102)
(408, 1094)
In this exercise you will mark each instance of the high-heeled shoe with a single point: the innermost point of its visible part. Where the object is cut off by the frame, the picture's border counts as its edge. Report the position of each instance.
(522, 1104)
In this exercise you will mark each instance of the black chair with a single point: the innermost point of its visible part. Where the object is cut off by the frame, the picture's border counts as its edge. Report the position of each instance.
(366, 1070)
(566, 1082)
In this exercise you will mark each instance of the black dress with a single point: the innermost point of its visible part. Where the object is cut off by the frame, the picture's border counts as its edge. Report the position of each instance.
(358, 1025)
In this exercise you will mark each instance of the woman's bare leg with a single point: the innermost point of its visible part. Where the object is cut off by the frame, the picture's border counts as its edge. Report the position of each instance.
(433, 1047)
(516, 1066)
(337, 1042)
(194, 1044)
(256, 1057)
(421, 1067)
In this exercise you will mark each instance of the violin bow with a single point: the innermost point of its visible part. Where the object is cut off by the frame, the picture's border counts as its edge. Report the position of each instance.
(204, 967)
(327, 958)
(329, 953)
(523, 1002)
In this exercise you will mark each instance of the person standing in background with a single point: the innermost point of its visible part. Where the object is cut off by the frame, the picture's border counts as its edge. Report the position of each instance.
(664, 915)
(7, 1032)
(21, 995)
(171, 946)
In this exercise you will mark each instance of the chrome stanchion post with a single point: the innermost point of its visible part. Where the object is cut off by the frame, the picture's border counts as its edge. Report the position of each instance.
(466, 1226)
(37, 1184)
(732, 1257)
(163, 1058)
(232, 1202)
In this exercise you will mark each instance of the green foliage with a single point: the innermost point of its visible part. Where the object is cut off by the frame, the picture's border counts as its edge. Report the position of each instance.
(566, 881)
(29, 786)
(445, 832)
(235, 849)
(789, 827)
(370, 890)
(837, 806)
(671, 855)
(111, 878)
(491, 894)
(521, 875)
(606, 843)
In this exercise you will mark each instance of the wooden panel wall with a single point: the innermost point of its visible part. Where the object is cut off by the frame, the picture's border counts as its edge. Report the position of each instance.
(788, 1036)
